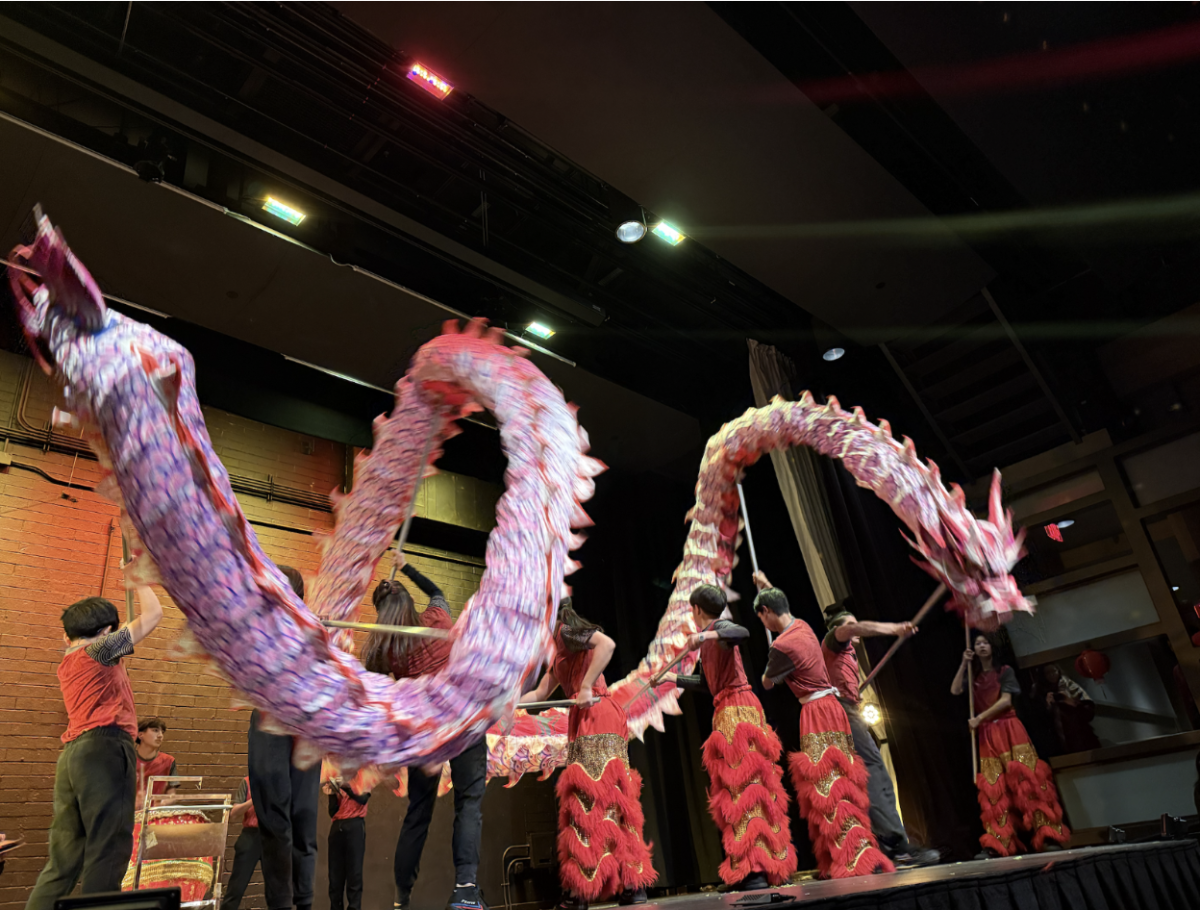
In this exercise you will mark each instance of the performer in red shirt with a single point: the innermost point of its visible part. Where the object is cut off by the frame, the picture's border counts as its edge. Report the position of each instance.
(151, 761)
(405, 657)
(91, 836)
(247, 850)
(841, 662)
(347, 843)
(745, 794)
(601, 849)
(1011, 776)
(829, 777)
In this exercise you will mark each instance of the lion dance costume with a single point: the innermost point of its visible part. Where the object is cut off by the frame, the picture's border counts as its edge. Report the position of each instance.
(1014, 784)
(745, 794)
(601, 849)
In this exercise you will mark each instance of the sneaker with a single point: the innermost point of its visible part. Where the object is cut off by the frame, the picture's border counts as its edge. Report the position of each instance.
(755, 881)
(466, 897)
(571, 903)
(987, 853)
(916, 855)
(629, 897)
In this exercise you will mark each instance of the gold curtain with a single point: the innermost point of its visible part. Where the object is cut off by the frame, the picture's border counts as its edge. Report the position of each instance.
(799, 478)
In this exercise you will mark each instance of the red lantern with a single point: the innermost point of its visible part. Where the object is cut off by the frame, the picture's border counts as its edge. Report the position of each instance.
(1092, 664)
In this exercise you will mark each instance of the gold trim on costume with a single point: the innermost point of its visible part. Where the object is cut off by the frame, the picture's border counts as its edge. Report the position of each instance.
(163, 871)
(1026, 755)
(1041, 819)
(726, 720)
(814, 744)
(594, 752)
(992, 767)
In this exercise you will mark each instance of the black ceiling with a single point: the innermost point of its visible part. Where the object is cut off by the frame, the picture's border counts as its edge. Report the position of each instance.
(518, 230)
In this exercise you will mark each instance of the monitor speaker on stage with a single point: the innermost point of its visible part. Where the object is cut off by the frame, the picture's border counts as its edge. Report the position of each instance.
(145, 899)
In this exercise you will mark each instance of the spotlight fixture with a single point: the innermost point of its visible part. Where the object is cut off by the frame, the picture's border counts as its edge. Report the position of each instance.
(833, 354)
(536, 328)
(871, 714)
(429, 80)
(672, 235)
(1174, 587)
(280, 210)
(1066, 523)
(631, 231)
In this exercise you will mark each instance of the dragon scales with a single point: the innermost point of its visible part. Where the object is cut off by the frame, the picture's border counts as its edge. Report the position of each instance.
(972, 557)
(132, 389)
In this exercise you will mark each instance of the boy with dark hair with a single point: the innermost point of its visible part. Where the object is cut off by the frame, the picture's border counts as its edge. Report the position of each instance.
(841, 662)
(745, 794)
(151, 761)
(95, 781)
(829, 777)
(247, 850)
(285, 798)
(347, 844)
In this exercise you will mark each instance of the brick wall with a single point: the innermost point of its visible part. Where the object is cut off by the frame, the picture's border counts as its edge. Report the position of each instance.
(56, 547)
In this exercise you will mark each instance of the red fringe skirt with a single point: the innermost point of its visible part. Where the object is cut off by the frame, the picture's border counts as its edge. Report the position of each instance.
(746, 795)
(601, 850)
(1016, 790)
(831, 787)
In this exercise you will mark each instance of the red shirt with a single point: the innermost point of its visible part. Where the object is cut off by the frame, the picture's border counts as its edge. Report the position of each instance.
(250, 819)
(841, 663)
(427, 655)
(570, 667)
(795, 658)
(721, 664)
(348, 807)
(991, 685)
(95, 686)
(161, 765)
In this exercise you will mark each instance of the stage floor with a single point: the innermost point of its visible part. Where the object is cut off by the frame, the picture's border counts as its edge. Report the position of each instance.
(947, 872)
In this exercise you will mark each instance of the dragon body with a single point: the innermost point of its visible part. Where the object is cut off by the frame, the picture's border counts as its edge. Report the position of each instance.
(972, 557)
(133, 391)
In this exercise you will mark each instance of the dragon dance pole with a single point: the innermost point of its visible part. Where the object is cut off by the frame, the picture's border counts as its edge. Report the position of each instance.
(412, 506)
(916, 621)
(414, 631)
(971, 703)
(750, 541)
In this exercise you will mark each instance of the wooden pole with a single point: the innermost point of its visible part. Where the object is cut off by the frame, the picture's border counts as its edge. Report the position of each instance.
(916, 621)
(414, 631)
(750, 541)
(543, 705)
(128, 593)
(971, 703)
(412, 506)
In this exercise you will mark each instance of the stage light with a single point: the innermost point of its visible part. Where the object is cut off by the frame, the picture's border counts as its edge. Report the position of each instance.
(540, 330)
(833, 354)
(1175, 587)
(280, 210)
(1066, 523)
(429, 80)
(631, 232)
(871, 713)
(668, 233)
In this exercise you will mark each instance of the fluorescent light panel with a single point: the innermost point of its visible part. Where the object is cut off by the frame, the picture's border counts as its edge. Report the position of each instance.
(668, 233)
(540, 330)
(281, 210)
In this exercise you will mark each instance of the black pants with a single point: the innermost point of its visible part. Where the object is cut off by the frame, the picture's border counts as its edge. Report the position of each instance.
(347, 847)
(91, 837)
(885, 820)
(285, 800)
(246, 854)
(468, 772)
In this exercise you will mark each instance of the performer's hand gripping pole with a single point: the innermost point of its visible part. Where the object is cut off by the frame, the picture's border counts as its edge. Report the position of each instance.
(749, 541)
(916, 621)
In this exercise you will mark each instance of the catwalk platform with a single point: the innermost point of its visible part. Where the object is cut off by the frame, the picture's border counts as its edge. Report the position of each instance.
(1158, 876)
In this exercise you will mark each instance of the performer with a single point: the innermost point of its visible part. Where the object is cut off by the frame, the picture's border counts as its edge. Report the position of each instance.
(94, 779)
(347, 843)
(286, 800)
(829, 777)
(406, 657)
(247, 851)
(745, 795)
(601, 849)
(841, 663)
(151, 760)
(1011, 776)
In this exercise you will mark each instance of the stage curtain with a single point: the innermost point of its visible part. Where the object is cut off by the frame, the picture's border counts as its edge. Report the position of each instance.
(1153, 877)
(798, 472)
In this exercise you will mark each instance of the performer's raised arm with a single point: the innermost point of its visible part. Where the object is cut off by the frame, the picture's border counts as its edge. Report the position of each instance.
(959, 685)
